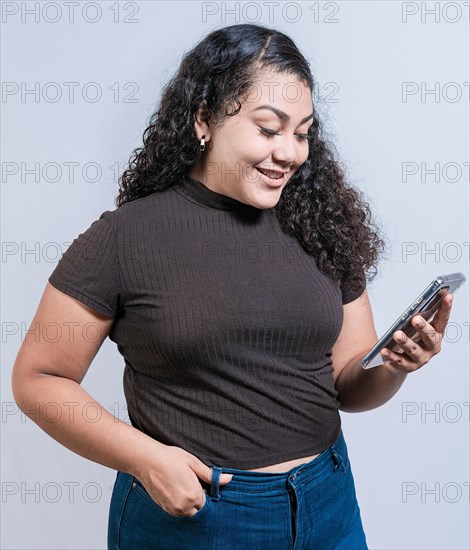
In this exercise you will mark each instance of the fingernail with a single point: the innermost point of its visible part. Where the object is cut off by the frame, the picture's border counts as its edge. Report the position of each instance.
(227, 477)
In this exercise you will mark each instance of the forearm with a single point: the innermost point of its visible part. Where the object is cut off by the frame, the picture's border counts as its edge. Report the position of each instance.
(361, 389)
(70, 415)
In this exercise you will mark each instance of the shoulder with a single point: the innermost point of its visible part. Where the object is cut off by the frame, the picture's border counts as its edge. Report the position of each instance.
(149, 207)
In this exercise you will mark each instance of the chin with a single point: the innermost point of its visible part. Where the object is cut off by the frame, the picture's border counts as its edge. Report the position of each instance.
(268, 202)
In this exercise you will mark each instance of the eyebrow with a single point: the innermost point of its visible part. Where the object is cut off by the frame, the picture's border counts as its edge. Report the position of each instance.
(284, 117)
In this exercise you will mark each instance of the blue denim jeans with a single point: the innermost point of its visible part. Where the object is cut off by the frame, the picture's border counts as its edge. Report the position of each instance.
(313, 506)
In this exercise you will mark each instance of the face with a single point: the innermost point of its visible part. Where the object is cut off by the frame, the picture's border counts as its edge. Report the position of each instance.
(251, 156)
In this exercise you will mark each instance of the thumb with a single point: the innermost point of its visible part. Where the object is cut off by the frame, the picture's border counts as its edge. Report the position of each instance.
(205, 473)
(225, 478)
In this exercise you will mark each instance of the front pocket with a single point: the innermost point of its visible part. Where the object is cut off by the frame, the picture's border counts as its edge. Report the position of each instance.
(340, 460)
(143, 494)
(121, 489)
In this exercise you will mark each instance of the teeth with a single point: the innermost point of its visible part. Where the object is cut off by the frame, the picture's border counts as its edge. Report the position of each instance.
(271, 175)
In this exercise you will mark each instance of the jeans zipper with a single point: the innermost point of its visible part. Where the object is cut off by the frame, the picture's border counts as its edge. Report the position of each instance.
(293, 506)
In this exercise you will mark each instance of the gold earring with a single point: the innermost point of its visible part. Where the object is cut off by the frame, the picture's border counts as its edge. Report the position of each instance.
(202, 142)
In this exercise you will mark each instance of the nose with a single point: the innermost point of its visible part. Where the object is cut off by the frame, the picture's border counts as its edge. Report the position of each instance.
(285, 151)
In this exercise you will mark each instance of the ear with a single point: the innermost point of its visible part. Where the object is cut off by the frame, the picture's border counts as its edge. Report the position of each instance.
(201, 123)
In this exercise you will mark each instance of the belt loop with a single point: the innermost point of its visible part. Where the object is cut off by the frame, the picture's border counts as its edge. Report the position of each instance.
(215, 482)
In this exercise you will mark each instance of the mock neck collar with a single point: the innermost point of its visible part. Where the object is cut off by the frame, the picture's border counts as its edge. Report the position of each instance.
(199, 193)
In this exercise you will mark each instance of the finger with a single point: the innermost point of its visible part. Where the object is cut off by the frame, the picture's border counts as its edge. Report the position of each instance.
(443, 314)
(225, 478)
(205, 473)
(430, 337)
(204, 496)
(406, 345)
(398, 362)
(396, 344)
(201, 470)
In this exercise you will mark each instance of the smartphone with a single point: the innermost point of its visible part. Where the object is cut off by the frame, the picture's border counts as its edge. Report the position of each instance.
(426, 305)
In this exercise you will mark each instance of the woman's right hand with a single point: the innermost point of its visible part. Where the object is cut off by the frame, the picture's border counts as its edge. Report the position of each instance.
(171, 478)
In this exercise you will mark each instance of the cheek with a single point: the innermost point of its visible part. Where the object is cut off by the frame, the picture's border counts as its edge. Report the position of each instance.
(250, 149)
(256, 148)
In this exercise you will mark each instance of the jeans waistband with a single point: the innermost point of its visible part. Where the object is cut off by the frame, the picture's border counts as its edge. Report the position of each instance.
(245, 480)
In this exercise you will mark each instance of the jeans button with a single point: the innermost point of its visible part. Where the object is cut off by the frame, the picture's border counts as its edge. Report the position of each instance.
(293, 476)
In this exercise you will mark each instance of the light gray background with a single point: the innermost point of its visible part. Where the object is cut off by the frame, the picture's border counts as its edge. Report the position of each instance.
(401, 452)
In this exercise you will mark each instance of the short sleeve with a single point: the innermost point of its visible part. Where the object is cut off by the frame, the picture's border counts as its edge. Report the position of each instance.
(88, 270)
(349, 295)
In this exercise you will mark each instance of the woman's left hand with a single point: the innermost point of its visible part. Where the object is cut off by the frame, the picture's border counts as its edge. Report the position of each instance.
(412, 355)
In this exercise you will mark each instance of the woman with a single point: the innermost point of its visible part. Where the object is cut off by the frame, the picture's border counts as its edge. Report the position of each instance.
(232, 277)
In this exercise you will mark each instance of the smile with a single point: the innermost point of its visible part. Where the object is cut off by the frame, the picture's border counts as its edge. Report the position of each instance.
(270, 174)
(274, 180)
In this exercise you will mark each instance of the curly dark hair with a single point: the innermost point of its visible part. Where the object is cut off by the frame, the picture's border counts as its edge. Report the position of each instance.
(330, 218)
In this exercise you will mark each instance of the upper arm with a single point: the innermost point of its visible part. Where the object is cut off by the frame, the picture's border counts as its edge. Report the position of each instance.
(64, 337)
(77, 308)
(357, 334)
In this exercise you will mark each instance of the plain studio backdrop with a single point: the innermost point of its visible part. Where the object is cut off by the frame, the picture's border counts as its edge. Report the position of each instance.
(78, 85)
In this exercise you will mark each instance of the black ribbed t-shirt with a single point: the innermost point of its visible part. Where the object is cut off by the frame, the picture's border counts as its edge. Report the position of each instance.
(224, 322)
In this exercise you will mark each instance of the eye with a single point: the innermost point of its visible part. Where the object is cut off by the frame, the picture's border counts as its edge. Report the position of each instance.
(270, 133)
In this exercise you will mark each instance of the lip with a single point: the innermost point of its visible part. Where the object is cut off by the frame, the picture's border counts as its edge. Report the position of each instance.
(278, 172)
(270, 182)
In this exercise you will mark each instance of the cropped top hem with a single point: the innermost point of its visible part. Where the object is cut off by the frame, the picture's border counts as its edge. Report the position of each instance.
(273, 460)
